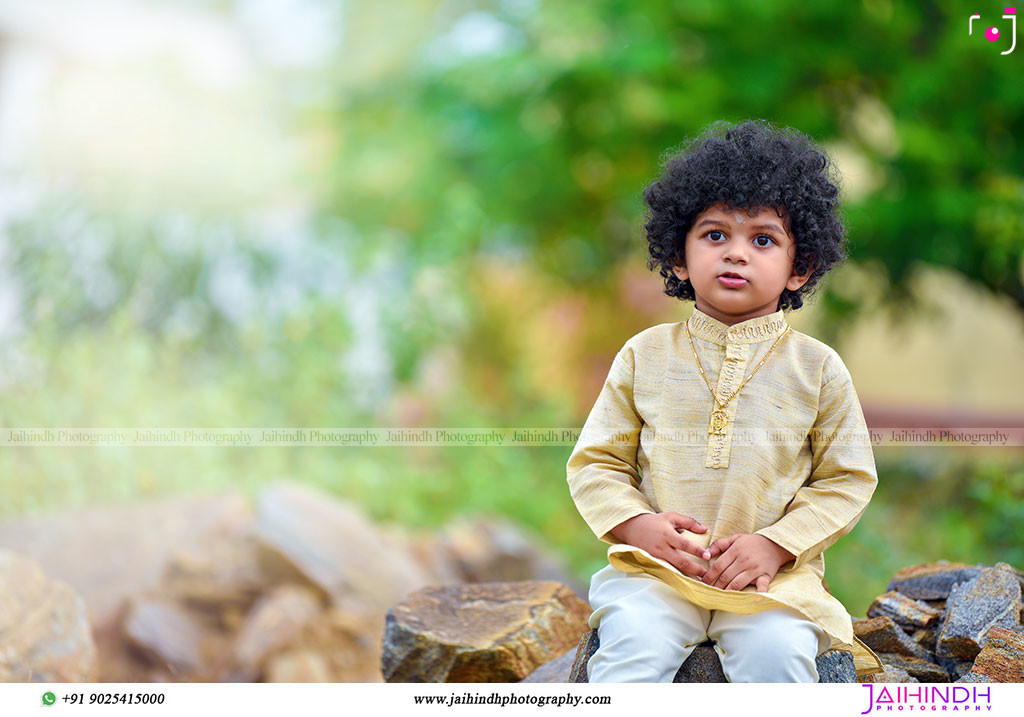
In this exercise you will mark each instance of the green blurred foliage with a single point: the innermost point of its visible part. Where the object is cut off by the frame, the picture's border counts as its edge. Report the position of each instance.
(545, 141)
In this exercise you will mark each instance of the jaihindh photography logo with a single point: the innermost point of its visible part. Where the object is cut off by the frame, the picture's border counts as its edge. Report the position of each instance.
(933, 698)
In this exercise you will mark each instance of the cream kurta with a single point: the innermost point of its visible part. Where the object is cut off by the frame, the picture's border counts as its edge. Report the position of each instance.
(794, 463)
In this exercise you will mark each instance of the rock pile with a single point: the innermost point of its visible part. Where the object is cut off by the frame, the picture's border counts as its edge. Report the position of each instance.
(293, 590)
(297, 589)
(948, 622)
(505, 632)
(937, 622)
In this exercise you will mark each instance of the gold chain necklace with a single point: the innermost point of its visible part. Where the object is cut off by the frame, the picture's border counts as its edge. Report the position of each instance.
(718, 416)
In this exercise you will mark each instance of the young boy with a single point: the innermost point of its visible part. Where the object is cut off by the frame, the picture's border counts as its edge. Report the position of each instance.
(725, 453)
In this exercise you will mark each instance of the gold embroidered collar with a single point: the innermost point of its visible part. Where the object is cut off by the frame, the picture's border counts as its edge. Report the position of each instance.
(761, 328)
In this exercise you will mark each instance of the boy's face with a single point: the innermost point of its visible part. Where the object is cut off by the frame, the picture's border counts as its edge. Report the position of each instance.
(757, 247)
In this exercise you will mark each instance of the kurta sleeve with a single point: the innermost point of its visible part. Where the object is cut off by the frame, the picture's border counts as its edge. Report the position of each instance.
(602, 470)
(843, 476)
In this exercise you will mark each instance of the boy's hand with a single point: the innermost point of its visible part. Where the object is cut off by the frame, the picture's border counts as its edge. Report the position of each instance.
(746, 558)
(658, 534)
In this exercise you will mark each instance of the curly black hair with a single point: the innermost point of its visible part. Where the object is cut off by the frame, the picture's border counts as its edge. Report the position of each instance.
(754, 165)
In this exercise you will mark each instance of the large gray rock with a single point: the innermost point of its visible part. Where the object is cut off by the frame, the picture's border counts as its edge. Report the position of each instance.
(932, 581)
(337, 547)
(703, 664)
(973, 608)
(484, 632)
(44, 630)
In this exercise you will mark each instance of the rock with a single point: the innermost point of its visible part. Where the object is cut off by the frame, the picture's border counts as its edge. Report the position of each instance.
(881, 634)
(44, 628)
(339, 646)
(974, 677)
(906, 612)
(273, 624)
(584, 651)
(704, 665)
(926, 637)
(336, 547)
(1019, 574)
(73, 545)
(486, 632)
(168, 634)
(894, 674)
(931, 581)
(937, 605)
(430, 552)
(118, 660)
(993, 598)
(959, 668)
(225, 575)
(144, 536)
(954, 668)
(557, 670)
(492, 550)
(482, 550)
(923, 670)
(1002, 657)
(836, 666)
(299, 666)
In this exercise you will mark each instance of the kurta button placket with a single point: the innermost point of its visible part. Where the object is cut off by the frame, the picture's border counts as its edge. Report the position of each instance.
(734, 368)
(738, 342)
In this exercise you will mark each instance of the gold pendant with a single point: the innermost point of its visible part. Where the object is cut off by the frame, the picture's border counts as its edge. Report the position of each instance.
(718, 422)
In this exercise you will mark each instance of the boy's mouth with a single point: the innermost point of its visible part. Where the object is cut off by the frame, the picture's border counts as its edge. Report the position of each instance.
(731, 279)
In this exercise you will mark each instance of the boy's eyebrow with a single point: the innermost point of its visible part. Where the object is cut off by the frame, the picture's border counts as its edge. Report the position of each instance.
(774, 227)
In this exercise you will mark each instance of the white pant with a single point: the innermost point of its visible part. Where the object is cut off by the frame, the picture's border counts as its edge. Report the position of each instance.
(647, 630)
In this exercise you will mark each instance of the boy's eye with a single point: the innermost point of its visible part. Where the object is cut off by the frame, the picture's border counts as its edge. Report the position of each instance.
(757, 240)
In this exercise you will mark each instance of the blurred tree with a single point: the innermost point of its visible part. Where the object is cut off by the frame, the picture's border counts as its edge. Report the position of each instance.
(532, 127)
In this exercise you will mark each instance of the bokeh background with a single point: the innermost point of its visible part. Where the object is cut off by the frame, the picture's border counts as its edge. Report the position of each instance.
(313, 213)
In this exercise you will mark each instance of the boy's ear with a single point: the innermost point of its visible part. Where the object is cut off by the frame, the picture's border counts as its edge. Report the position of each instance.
(681, 272)
(797, 280)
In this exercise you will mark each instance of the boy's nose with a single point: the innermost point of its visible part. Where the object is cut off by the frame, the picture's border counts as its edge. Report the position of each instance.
(735, 254)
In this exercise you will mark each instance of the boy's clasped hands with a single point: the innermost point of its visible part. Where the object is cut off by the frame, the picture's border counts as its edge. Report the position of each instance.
(742, 559)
